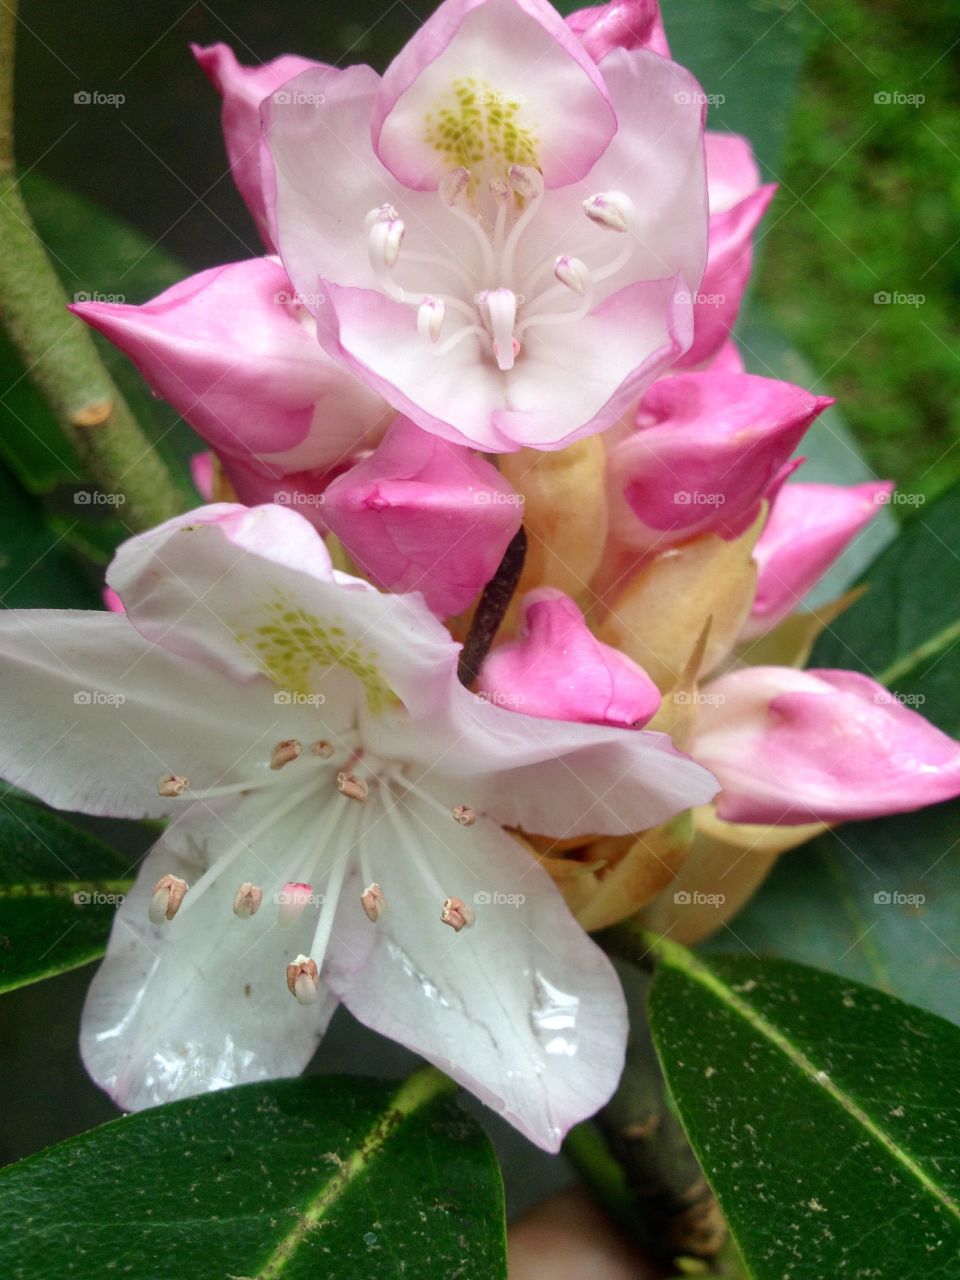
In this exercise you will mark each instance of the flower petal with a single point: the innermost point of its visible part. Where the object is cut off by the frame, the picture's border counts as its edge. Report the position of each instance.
(620, 24)
(522, 1008)
(819, 746)
(491, 83)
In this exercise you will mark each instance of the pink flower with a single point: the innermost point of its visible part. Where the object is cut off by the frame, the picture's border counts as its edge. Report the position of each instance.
(706, 449)
(423, 515)
(236, 355)
(792, 747)
(242, 90)
(499, 236)
(342, 800)
(621, 24)
(737, 203)
(559, 670)
(808, 527)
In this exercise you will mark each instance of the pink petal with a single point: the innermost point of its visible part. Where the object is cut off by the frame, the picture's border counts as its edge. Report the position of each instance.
(708, 446)
(234, 353)
(794, 746)
(620, 24)
(242, 90)
(732, 170)
(512, 51)
(808, 527)
(559, 670)
(423, 515)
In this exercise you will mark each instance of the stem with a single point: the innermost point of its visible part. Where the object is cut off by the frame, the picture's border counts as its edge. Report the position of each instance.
(58, 351)
(492, 607)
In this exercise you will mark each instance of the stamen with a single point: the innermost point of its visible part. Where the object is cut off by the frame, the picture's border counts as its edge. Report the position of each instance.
(528, 184)
(322, 748)
(612, 210)
(373, 902)
(526, 181)
(303, 980)
(573, 273)
(456, 914)
(246, 902)
(386, 231)
(453, 187)
(463, 814)
(285, 752)
(168, 894)
(172, 784)
(354, 788)
(430, 319)
(499, 309)
(292, 899)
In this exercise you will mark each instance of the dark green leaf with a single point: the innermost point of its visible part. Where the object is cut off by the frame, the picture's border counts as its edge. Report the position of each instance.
(905, 630)
(318, 1179)
(824, 1114)
(59, 888)
(35, 567)
(876, 901)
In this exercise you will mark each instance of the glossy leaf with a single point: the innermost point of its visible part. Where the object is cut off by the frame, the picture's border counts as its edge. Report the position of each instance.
(905, 630)
(824, 1114)
(317, 1179)
(59, 888)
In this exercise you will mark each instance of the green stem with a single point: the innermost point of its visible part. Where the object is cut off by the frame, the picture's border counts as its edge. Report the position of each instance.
(58, 351)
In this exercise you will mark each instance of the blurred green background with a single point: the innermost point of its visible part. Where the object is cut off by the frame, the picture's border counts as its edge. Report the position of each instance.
(830, 96)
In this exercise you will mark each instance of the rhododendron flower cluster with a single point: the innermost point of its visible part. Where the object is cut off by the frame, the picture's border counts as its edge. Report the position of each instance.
(494, 631)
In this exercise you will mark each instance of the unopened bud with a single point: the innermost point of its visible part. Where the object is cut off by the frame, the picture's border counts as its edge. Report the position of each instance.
(456, 914)
(354, 788)
(463, 814)
(172, 784)
(246, 902)
(373, 902)
(168, 893)
(284, 752)
(303, 980)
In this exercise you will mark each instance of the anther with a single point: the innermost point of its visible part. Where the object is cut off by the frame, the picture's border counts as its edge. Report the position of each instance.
(463, 814)
(610, 209)
(382, 213)
(573, 273)
(303, 979)
(373, 902)
(172, 784)
(386, 234)
(526, 181)
(499, 190)
(430, 319)
(354, 788)
(291, 900)
(321, 748)
(168, 893)
(285, 751)
(456, 914)
(453, 186)
(246, 902)
(499, 309)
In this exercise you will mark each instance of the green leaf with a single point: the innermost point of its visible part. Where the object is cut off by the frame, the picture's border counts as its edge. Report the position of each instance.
(824, 1114)
(875, 901)
(905, 630)
(59, 888)
(318, 1179)
(35, 567)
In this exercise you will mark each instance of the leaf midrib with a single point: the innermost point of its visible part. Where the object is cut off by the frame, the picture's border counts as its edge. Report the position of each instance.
(686, 963)
(936, 644)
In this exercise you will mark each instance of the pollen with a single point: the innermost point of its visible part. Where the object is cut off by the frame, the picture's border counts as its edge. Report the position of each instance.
(477, 126)
(295, 647)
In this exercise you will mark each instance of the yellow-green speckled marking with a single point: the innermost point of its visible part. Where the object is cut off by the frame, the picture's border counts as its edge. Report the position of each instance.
(294, 642)
(480, 127)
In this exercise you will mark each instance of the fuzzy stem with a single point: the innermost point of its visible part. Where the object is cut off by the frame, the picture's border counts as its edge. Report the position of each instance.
(492, 608)
(58, 351)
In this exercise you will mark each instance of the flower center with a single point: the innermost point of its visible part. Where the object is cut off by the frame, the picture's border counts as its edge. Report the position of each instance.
(507, 290)
(332, 809)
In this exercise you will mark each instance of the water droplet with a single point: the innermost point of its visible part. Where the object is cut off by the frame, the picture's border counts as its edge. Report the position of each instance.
(554, 1017)
(429, 989)
(370, 1239)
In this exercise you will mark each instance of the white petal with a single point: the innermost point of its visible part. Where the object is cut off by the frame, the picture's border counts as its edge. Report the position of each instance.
(521, 1008)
